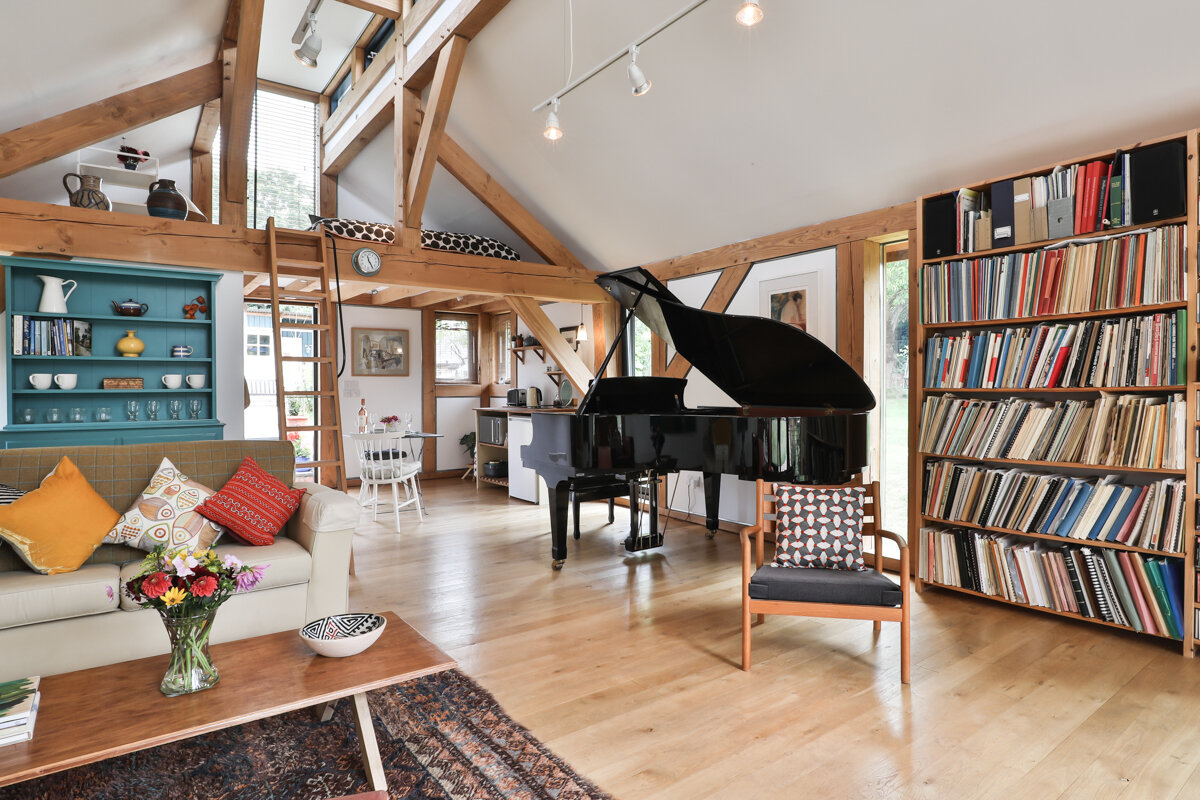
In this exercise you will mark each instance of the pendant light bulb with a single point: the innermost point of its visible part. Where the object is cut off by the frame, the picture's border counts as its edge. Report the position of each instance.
(308, 51)
(637, 78)
(750, 14)
(553, 132)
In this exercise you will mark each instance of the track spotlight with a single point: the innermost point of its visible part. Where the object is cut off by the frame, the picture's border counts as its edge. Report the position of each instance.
(750, 14)
(307, 52)
(553, 132)
(637, 78)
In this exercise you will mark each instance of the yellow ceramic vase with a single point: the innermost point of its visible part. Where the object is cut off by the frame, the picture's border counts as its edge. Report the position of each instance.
(130, 346)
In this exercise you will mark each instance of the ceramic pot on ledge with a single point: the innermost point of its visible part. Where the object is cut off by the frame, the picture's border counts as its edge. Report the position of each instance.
(165, 200)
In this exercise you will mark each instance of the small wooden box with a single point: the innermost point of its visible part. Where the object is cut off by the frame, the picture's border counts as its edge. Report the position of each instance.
(121, 383)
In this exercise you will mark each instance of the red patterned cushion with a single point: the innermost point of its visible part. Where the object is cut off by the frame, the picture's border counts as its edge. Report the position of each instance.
(819, 527)
(254, 506)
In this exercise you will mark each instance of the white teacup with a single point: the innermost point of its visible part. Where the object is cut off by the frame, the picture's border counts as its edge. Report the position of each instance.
(66, 380)
(195, 381)
(41, 380)
(172, 381)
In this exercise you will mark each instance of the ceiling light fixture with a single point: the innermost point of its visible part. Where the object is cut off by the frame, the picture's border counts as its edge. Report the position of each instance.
(307, 52)
(553, 132)
(637, 79)
(750, 14)
(581, 332)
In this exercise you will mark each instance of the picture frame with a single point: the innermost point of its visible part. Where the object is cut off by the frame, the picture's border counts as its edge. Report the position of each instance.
(804, 300)
(379, 352)
(571, 333)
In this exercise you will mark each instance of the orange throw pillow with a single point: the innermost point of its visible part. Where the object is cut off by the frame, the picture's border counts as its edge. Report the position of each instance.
(57, 527)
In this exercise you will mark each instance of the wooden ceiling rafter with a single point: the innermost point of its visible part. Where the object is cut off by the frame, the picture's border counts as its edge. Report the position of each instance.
(384, 8)
(466, 20)
(240, 80)
(552, 341)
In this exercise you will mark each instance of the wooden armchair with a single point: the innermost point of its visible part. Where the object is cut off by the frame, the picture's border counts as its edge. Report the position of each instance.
(817, 592)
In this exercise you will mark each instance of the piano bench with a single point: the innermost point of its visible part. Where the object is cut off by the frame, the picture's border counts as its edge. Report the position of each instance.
(605, 491)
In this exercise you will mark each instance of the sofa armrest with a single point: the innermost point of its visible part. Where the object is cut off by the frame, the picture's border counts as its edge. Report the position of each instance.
(324, 526)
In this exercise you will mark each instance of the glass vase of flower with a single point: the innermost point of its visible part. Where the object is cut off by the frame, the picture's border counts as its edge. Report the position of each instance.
(392, 423)
(186, 587)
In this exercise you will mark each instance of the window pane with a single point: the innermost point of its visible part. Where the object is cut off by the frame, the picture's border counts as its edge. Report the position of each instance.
(454, 350)
(894, 472)
(642, 347)
(504, 350)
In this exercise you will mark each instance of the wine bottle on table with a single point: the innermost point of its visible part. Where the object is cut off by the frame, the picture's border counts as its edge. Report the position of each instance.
(364, 419)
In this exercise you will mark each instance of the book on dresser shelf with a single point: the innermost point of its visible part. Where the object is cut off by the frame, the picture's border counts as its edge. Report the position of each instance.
(1055, 390)
(19, 701)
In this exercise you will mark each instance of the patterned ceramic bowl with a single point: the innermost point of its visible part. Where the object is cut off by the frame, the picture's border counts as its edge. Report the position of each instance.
(343, 634)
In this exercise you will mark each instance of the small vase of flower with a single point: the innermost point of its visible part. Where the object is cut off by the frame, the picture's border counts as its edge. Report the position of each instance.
(392, 423)
(187, 587)
(131, 156)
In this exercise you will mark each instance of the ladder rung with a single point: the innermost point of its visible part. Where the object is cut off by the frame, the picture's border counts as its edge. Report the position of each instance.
(297, 233)
(309, 359)
(299, 263)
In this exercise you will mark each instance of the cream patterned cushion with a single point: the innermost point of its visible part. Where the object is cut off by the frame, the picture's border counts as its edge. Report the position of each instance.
(165, 513)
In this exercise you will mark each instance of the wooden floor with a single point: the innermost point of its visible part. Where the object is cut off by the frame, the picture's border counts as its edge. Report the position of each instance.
(627, 668)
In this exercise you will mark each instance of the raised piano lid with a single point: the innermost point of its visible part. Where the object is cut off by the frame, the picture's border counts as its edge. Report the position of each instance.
(759, 362)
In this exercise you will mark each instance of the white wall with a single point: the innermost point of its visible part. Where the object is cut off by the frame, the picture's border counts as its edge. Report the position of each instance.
(384, 395)
(227, 324)
(533, 371)
(455, 416)
(685, 492)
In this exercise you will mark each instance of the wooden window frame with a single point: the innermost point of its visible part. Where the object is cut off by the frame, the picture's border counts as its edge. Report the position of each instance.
(473, 330)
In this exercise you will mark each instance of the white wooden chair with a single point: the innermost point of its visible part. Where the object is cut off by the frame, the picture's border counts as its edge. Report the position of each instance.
(382, 461)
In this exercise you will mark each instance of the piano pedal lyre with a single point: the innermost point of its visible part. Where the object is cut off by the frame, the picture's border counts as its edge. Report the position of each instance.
(643, 487)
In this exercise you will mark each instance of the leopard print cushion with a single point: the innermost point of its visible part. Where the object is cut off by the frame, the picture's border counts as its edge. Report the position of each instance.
(434, 240)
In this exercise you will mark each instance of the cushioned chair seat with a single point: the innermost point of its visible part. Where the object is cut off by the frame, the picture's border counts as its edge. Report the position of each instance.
(815, 585)
(27, 597)
(290, 564)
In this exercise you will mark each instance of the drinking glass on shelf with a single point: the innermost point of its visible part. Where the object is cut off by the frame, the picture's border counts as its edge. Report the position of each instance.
(25, 415)
(103, 414)
(194, 406)
(53, 415)
(131, 409)
(173, 407)
(78, 415)
(152, 410)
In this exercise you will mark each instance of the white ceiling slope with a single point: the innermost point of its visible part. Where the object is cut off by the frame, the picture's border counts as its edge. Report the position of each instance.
(824, 110)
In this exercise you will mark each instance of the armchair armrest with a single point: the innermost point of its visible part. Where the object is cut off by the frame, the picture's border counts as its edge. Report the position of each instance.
(324, 526)
(904, 557)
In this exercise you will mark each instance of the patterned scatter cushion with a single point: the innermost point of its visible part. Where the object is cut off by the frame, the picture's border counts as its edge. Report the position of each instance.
(9, 495)
(57, 526)
(434, 240)
(254, 505)
(818, 527)
(166, 513)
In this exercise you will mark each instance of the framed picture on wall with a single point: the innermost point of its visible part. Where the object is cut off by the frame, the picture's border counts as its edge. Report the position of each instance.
(379, 352)
(571, 333)
(805, 300)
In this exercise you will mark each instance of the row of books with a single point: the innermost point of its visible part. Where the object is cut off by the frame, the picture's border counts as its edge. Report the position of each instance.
(1145, 350)
(1139, 592)
(1148, 516)
(1131, 269)
(1115, 431)
(54, 336)
(19, 701)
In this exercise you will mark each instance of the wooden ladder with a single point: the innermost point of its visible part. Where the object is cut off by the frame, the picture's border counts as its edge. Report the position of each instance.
(327, 432)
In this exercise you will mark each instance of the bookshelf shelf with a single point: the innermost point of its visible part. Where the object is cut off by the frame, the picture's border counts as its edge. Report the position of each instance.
(944, 223)
(1125, 311)
(1052, 538)
(1049, 243)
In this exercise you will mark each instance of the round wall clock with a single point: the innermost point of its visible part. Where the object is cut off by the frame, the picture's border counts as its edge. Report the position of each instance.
(366, 261)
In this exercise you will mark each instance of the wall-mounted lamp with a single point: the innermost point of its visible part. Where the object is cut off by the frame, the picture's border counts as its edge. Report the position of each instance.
(637, 78)
(750, 14)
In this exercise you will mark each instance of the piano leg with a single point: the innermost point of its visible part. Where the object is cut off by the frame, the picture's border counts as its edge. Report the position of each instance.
(712, 502)
(559, 499)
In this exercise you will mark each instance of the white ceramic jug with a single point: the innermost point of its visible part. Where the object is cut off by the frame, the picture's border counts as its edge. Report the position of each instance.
(53, 300)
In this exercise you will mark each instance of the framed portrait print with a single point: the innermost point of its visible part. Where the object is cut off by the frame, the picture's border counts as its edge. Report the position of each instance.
(805, 300)
(571, 334)
(379, 352)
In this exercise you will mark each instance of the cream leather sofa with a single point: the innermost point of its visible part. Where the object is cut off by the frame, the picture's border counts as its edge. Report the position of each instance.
(59, 623)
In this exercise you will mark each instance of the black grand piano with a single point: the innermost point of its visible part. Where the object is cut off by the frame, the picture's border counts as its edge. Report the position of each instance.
(801, 416)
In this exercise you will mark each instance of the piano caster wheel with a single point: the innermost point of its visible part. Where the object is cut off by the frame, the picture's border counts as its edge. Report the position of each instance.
(557, 563)
(710, 534)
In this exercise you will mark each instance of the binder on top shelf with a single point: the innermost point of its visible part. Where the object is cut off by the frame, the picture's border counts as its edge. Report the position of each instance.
(1002, 214)
(1157, 181)
(1022, 211)
(1061, 213)
(940, 227)
(1040, 222)
(983, 230)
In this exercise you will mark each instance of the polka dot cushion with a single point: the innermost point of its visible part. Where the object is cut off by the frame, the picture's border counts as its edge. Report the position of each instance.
(434, 240)
(254, 505)
(817, 527)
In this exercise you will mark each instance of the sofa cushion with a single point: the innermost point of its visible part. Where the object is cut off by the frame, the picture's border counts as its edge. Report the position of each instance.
(27, 598)
(165, 513)
(254, 505)
(56, 527)
(290, 564)
(816, 585)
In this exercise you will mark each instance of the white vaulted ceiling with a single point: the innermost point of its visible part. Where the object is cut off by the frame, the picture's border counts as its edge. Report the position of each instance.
(825, 109)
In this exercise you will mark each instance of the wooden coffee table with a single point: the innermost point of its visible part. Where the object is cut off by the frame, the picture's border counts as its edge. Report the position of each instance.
(260, 677)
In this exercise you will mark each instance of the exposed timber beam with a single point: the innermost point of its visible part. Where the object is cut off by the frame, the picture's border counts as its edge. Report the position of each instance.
(65, 133)
(495, 307)
(433, 126)
(426, 299)
(46, 229)
(362, 130)
(552, 341)
(468, 301)
(406, 132)
(253, 282)
(481, 184)
(719, 298)
(385, 8)
(393, 293)
(382, 68)
(240, 75)
(208, 127)
(466, 20)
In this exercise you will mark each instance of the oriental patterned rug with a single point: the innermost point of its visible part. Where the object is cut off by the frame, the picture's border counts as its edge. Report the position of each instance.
(442, 737)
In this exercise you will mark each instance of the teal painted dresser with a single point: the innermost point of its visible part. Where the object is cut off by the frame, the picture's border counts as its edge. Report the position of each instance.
(83, 342)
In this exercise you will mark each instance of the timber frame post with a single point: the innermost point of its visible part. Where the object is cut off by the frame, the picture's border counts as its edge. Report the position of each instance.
(240, 75)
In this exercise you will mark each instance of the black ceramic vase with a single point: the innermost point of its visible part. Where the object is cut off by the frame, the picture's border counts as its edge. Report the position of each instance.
(165, 200)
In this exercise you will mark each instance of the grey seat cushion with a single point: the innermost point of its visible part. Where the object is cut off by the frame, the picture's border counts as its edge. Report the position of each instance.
(816, 585)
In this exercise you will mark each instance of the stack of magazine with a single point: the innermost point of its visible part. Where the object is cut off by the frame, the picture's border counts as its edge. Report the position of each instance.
(19, 702)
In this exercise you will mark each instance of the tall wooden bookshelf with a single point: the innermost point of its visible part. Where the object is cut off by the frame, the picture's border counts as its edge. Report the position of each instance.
(921, 332)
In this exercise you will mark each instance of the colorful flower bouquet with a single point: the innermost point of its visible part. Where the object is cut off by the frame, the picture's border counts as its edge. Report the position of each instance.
(392, 422)
(187, 587)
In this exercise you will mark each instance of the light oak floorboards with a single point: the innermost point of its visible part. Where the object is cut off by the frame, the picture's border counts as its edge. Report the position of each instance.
(627, 667)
